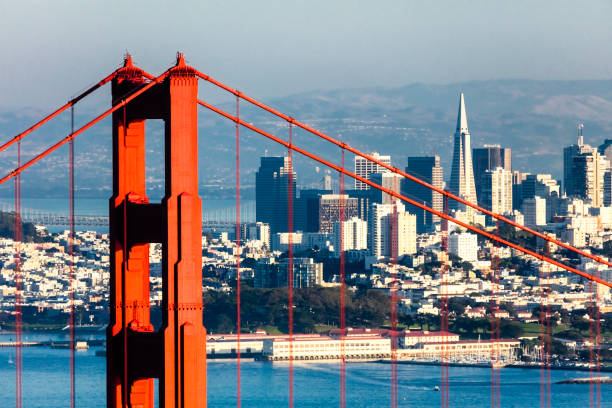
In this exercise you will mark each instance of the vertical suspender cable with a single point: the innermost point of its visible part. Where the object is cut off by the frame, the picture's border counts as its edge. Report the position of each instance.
(342, 289)
(238, 399)
(393, 246)
(444, 397)
(290, 260)
(71, 253)
(18, 285)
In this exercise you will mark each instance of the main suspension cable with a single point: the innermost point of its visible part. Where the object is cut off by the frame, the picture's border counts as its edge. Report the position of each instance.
(400, 172)
(408, 200)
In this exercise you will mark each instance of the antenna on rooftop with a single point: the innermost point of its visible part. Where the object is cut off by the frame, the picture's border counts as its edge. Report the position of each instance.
(580, 140)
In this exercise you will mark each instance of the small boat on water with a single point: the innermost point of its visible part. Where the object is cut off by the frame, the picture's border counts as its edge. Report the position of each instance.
(436, 388)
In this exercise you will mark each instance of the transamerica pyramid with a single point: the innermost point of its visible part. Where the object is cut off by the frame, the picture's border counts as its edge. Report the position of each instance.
(462, 173)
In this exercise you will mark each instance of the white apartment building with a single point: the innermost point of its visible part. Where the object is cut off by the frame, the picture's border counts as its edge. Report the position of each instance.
(354, 234)
(497, 190)
(464, 245)
(534, 211)
(365, 167)
(391, 224)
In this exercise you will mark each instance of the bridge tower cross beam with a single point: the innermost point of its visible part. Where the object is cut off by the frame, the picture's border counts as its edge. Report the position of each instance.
(136, 353)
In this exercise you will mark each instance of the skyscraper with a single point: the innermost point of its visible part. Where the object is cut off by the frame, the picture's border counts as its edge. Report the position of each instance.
(427, 169)
(388, 180)
(272, 192)
(365, 167)
(462, 173)
(392, 231)
(489, 157)
(330, 210)
(583, 171)
(497, 190)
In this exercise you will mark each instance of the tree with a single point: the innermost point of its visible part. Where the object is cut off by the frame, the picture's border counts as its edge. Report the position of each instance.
(510, 328)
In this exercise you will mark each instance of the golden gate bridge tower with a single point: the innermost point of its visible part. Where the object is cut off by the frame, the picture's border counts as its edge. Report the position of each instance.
(176, 352)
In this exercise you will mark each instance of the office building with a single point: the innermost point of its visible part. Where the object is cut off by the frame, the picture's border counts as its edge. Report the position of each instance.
(272, 189)
(583, 171)
(534, 211)
(334, 206)
(429, 170)
(489, 157)
(258, 231)
(462, 172)
(496, 190)
(365, 167)
(388, 180)
(307, 210)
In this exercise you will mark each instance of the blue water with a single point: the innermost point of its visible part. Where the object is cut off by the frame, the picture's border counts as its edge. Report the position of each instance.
(46, 383)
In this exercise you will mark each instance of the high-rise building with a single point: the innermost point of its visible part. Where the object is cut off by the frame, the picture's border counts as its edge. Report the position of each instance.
(462, 172)
(517, 188)
(429, 170)
(583, 171)
(307, 210)
(605, 149)
(607, 200)
(354, 233)
(534, 211)
(392, 231)
(496, 190)
(388, 180)
(541, 185)
(365, 167)
(258, 231)
(330, 210)
(272, 192)
(489, 157)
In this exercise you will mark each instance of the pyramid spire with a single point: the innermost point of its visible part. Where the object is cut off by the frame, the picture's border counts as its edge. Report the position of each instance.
(462, 125)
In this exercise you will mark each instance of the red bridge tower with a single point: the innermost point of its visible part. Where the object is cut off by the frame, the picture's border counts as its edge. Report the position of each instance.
(136, 354)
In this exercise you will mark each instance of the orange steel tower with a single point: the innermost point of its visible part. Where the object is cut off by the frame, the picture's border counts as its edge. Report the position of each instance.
(136, 354)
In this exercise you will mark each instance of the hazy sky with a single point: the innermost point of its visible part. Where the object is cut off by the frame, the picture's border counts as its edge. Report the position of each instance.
(52, 49)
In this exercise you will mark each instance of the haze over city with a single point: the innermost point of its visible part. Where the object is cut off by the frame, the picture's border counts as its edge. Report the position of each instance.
(306, 203)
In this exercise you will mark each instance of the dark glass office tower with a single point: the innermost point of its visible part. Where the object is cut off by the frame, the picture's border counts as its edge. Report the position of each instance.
(271, 192)
(486, 158)
(429, 170)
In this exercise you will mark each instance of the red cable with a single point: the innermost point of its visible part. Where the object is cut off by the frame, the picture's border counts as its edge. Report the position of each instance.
(47, 118)
(406, 199)
(71, 252)
(238, 324)
(395, 170)
(393, 246)
(290, 260)
(83, 128)
(342, 291)
(18, 286)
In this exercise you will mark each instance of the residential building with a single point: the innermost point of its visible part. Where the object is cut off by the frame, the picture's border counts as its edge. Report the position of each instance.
(464, 245)
(353, 233)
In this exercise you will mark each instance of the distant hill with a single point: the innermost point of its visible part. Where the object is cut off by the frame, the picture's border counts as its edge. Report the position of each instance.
(535, 118)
